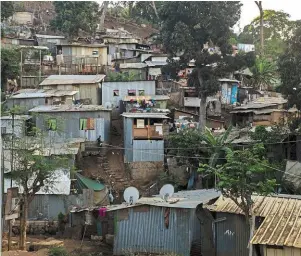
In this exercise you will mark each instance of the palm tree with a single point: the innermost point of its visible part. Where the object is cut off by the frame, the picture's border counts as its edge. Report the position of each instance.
(264, 73)
(217, 146)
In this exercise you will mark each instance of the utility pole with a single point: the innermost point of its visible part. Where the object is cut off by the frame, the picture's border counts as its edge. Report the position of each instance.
(2, 197)
(11, 170)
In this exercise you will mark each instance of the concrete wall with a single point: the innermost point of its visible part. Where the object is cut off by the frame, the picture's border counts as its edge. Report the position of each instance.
(68, 125)
(145, 171)
(149, 88)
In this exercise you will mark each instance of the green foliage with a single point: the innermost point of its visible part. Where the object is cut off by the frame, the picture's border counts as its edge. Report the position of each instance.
(121, 77)
(142, 12)
(245, 172)
(277, 29)
(10, 64)
(217, 145)
(188, 146)
(57, 251)
(275, 135)
(71, 17)
(289, 66)
(264, 73)
(186, 33)
(7, 9)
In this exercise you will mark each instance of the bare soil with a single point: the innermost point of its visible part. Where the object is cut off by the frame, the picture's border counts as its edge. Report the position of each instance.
(73, 247)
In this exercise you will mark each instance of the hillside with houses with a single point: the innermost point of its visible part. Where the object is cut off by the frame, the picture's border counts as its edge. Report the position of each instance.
(134, 128)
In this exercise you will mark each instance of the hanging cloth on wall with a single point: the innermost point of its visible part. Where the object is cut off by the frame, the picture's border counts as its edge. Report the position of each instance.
(166, 217)
(102, 211)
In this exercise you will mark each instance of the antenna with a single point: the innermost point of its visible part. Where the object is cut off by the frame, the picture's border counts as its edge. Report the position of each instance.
(131, 195)
(167, 191)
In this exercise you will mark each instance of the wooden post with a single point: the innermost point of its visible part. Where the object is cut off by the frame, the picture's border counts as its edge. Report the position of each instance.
(148, 125)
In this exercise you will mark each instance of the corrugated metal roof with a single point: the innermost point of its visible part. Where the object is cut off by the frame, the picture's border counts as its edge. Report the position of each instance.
(41, 93)
(145, 115)
(262, 205)
(148, 97)
(187, 200)
(68, 108)
(72, 79)
(282, 225)
(155, 63)
(87, 183)
(228, 80)
(133, 65)
(49, 36)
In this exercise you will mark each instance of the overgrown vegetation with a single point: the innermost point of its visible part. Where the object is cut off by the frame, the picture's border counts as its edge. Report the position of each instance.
(122, 76)
(57, 251)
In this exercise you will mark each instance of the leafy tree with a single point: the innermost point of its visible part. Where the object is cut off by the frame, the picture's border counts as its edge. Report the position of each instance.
(186, 27)
(10, 65)
(7, 9)
(217, 146)
(245, 172)
(33, 166)
(71, 17)
(264, 73)
(277, 27)
(289, 66)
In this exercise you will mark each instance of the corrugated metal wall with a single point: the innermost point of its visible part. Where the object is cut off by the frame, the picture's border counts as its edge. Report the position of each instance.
(149, 88)
(128, 139)
(148, 150)
(19, 127)
(25, 104)
(231, 235)
(143, 230)
(49, 206)
(68, 125)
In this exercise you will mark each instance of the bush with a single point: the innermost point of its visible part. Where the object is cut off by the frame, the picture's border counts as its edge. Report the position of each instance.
(57, 251)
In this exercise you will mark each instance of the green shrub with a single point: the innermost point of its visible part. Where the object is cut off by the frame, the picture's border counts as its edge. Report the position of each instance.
(57, 251)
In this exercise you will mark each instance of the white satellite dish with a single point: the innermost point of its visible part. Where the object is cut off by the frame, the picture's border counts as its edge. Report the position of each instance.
(167, 191)
(131, 195)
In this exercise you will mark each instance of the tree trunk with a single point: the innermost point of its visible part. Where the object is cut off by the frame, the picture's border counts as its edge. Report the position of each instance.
(103, 15)
(259, 5)
(153, 4)
(202, 114)
(252, 228)
(23, 222)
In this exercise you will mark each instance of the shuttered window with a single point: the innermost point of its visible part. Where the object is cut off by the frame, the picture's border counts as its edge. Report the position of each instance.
(86, 124)
(52, 125)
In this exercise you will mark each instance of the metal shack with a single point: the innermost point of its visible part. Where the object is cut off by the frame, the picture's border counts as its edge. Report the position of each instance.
(153, 225)
(114, 92)
(277, 226)
(72, 121)
(88, 86)
(30, 98)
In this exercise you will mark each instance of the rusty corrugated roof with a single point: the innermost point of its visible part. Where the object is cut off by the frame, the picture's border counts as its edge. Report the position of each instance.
(282, 223)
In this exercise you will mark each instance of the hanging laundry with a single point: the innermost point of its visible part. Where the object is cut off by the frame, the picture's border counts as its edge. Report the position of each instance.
(166, 217)
(102, 211)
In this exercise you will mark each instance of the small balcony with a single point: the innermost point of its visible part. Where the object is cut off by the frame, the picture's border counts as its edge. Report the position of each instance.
(153, 132)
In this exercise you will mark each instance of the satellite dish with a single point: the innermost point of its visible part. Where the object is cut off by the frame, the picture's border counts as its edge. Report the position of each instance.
(131, 195)
(167, 191)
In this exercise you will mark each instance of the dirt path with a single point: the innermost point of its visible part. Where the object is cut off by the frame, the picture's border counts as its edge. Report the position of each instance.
(73, 247)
